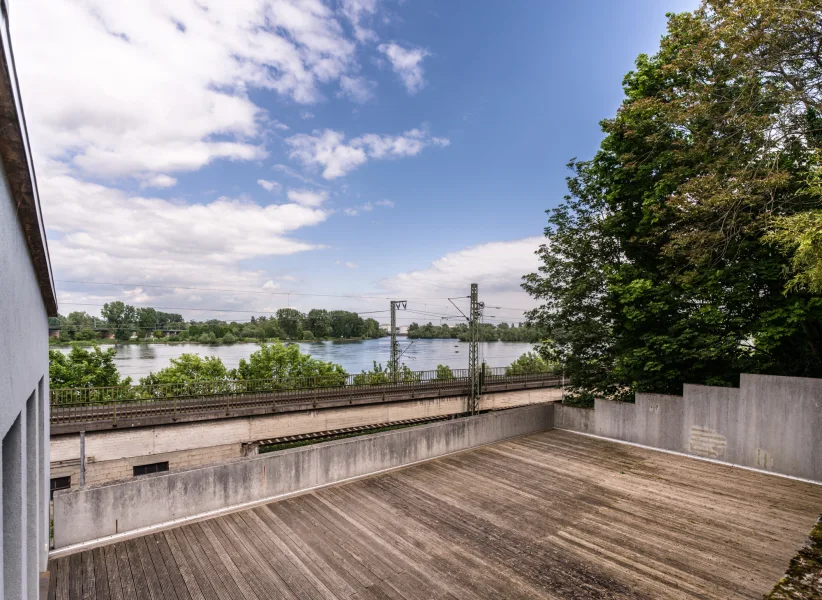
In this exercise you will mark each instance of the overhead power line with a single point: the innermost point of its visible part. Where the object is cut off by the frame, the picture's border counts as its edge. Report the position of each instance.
(233, 290)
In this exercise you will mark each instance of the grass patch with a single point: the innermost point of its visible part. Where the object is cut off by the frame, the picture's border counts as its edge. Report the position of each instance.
(804, 576)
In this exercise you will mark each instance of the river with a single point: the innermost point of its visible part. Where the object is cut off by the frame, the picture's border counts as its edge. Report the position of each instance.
(422, 355)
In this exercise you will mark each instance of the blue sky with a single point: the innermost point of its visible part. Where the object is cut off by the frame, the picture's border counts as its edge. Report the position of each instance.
(361, 147)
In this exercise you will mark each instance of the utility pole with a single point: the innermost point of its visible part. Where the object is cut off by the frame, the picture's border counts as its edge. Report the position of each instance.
(473, 350)
(394, 361)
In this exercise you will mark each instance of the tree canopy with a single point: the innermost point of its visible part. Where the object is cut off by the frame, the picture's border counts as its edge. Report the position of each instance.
(84, 368)
(687, 249)
(281, 362)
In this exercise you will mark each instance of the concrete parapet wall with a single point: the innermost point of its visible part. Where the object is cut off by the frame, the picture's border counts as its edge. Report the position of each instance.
(112, 454)
(95, 512)
(574, 418)
(769, 422)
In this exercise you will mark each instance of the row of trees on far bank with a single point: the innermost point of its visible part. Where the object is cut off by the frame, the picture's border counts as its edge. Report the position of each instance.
(125, 322)
(487, 332)
(277, 362)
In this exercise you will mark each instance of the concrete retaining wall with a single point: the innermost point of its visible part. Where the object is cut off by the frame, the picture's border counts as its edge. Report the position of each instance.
(769, 422)
(92, 513)
(112, 454)
(574, 417)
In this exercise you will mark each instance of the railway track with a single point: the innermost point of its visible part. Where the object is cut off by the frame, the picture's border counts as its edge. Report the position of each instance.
(91, 416)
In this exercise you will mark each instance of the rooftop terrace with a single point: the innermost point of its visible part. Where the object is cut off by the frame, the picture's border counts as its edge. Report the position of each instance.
(550, 515)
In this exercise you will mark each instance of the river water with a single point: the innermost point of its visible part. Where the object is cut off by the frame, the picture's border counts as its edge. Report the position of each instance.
(422, 355)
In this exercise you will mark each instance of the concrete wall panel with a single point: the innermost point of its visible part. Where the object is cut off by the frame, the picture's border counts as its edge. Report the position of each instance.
(94, 512)
(574, 418)
(769, 422)
(780, 424)
(615, 420)
(659, 420)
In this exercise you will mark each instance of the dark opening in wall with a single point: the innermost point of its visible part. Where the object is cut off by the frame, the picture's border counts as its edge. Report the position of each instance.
(59, 483)
(152, 468)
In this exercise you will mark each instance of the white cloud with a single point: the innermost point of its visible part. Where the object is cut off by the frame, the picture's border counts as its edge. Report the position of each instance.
(351, 265)
(286, 170)
(103, 234)
(385, 203)
(270, 186)
(307, 115)
(360, 12)
(407, 64)
(358, 89)
(159, 87)
(329, 150)
(497, 267)
(353, 211)
(308, 197)
(271, 285)
(159, 181)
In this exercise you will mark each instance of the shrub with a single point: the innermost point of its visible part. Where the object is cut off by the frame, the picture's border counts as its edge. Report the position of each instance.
(528, 364)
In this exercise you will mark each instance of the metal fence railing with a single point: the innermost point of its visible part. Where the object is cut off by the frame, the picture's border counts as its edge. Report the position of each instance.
(73, 405)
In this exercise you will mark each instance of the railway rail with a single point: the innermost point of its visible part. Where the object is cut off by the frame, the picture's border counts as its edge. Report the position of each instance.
(90, 409)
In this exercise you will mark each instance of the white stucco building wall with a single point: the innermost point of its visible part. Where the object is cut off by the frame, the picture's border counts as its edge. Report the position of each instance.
(27, 299)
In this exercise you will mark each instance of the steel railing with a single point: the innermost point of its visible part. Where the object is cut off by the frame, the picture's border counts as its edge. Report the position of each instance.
(90, 404)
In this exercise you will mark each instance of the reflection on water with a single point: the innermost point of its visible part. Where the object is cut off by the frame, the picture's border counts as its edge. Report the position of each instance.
(147, 351)
(137, 360)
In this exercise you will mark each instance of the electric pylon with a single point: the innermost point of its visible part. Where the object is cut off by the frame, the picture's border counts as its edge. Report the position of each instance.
(473, 350)
(394, 361)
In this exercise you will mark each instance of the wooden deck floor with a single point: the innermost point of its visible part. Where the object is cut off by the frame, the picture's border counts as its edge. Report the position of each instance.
(551, 515)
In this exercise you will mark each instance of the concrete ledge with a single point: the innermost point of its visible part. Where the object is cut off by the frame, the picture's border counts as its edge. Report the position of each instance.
(97, 512)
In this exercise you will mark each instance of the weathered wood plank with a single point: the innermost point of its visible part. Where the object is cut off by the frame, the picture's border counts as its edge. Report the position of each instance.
(100, 575)
(196, 580)
(548, 516)
(311, 556)
(250, 556)
(52, 567)
(140, 582)
(218, 567)
(170, 563)
(155, 586)
(200, 554)
(273, 554)
(115, 589)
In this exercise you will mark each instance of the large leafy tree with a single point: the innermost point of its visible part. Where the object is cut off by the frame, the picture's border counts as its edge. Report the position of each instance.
(291, 322)
(660, 266)
(286, 363)
(319, 322)
(83, 368)
(189, 368)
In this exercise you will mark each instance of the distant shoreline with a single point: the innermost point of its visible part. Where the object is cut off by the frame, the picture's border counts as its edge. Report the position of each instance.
(108, 342)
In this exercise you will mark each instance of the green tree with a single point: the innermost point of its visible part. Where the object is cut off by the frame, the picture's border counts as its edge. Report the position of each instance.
(379, 375)
(657, 269)
(188, 368)
(82, 368)
(319, 322)
(286, 364)
(444, 372)
(146, 321)
(120, 317)
(290, 321)
(800, 237)
(528, 364)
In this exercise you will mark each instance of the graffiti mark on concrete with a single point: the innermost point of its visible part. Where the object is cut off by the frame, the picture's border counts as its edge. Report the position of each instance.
(706, 442)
